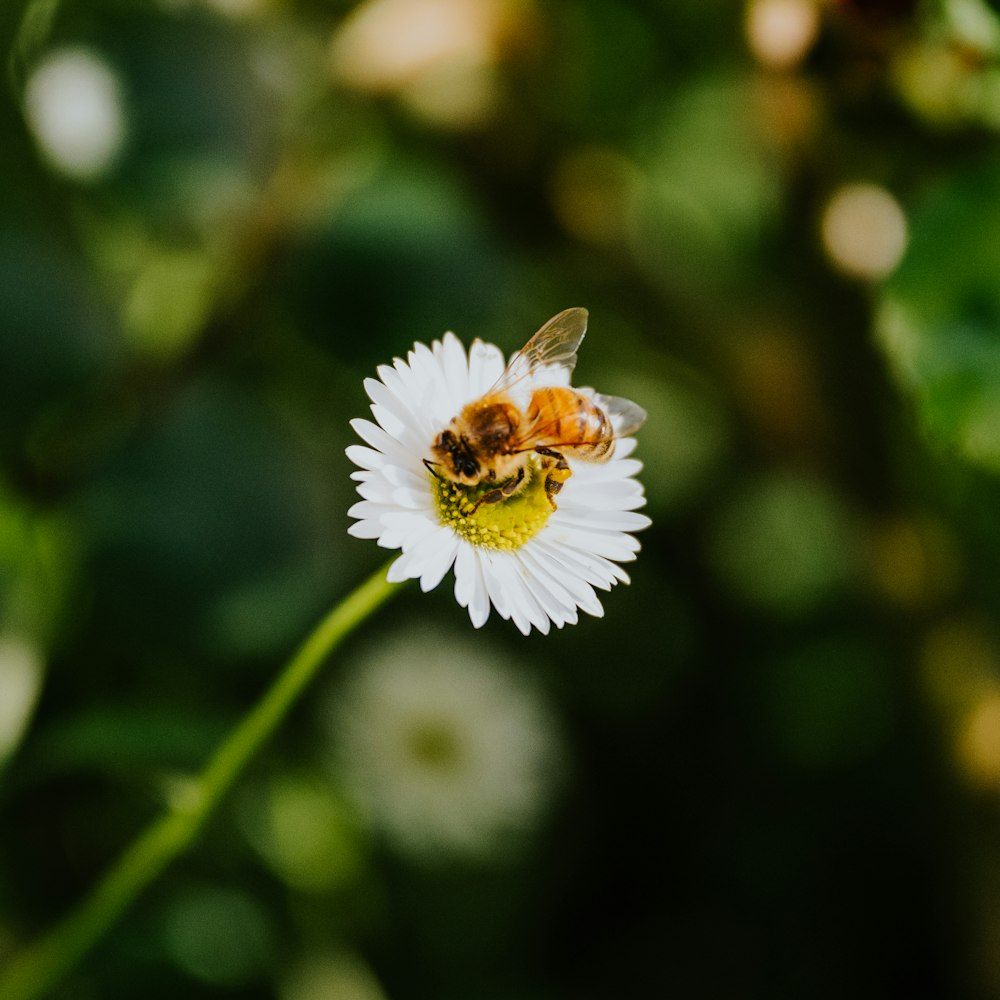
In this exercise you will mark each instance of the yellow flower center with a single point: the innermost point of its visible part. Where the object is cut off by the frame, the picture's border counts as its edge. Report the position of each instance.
(435, 745)
(504, 525)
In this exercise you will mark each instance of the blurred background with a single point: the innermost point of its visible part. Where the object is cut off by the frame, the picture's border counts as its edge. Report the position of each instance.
(773, 769)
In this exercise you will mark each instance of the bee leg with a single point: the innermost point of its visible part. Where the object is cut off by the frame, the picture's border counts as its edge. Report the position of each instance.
(556, 475)
(430, 468)
(508, 489)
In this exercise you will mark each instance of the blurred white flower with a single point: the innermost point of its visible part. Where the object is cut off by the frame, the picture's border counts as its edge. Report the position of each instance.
(73, 106)
(443, 745)
(535, 565)
(20, 679)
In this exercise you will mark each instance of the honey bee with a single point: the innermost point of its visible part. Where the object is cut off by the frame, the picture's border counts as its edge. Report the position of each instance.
(492, 439)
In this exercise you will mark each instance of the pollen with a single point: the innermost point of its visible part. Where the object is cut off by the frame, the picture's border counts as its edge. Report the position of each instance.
(502, 526)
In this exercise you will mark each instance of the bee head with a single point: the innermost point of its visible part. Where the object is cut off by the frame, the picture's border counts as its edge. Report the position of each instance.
(455, 457)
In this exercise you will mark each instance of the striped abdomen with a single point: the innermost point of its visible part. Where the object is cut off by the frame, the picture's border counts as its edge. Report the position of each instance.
(566, 421)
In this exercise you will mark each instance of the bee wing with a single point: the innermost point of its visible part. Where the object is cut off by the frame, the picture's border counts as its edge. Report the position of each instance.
(626, 416)
(553, 347)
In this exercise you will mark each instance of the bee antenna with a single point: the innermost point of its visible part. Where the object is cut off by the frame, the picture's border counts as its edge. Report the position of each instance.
(430, 467)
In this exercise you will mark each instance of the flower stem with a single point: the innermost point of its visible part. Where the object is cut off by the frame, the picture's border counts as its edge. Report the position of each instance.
(44, 964)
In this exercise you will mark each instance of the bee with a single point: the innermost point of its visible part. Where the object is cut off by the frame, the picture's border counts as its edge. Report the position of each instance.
(492, 439)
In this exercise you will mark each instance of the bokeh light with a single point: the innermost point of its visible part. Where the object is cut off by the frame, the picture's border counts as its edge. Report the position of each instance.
(74, 106)
(591, 192)
(979, 742)
(219, 935)
(784, 544)
(21, 672)
(437, 54)
(914, 561)
(864, 231)
(781, 32)
(331, 977)
(960, 662)
(305, 832)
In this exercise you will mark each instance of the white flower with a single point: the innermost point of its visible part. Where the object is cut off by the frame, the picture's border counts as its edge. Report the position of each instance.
(443, 746)
(536, 565)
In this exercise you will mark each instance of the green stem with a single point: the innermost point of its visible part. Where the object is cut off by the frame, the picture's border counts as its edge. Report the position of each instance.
(42, 966)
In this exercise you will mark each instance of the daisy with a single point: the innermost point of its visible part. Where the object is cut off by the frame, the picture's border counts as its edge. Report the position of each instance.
(442, 746)
(536, 556)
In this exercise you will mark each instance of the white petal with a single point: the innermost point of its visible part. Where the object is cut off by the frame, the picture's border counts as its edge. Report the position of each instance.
(470, 585)
(593, 569)
(571, 589)
(455, 367)
(479, 602)
(392, 539)
(509, 594)
(413, 499)
(605, 520)
(397, 475)
(526, 600)
(492, 572)
(485, 367)
(398, 571)
(429, 558)
(407, 520)
(464, 579)
(605, 493)
(551, 605)
(406, 383)
(368, 509)
(377, 490)
(367, 458)
(416, 527)
(392, 403)
(404, 529)
(434, 391)
(402, 430)
(383, 442)
(519, 618)
(365, 529)
(615, 545)
(439, 561)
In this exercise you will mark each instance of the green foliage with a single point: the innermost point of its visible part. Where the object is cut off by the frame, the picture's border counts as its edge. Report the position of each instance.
(940, 314)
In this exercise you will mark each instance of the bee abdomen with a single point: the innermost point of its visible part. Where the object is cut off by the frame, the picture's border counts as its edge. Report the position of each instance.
(565, 419)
